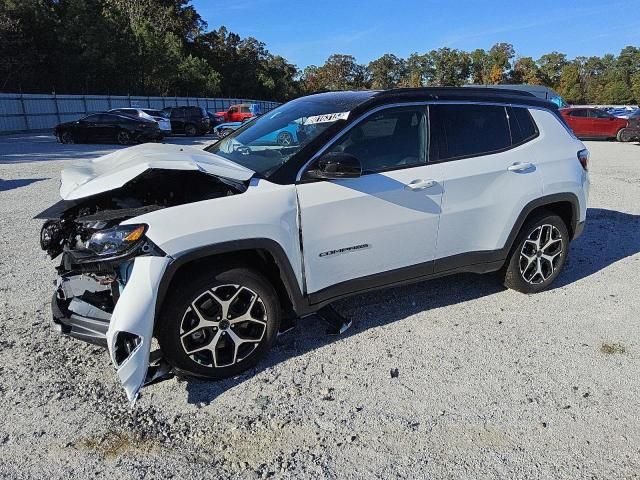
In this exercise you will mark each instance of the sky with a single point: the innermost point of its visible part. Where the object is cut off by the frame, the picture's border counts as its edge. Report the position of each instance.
(306, 32)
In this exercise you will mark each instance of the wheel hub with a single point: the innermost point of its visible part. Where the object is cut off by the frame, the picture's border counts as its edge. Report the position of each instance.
(540, 254)
(223, 326)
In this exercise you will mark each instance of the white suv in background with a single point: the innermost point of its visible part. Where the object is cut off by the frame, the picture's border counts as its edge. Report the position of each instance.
(212, 251)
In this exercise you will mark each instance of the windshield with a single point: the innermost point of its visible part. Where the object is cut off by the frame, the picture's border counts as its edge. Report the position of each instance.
(265, 143)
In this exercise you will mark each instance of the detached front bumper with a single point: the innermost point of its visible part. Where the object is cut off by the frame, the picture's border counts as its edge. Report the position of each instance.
(128, 330)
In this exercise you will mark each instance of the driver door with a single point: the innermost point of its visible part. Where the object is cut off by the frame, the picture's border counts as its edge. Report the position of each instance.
(382, 226)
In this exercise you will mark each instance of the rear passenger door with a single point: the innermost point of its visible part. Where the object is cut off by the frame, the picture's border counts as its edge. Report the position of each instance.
(489, 175)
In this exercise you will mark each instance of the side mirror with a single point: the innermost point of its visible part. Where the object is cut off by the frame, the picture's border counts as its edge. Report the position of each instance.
(336, 165)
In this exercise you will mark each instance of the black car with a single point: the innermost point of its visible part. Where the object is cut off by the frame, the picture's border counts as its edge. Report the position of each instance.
(107, 128)
(188, 120)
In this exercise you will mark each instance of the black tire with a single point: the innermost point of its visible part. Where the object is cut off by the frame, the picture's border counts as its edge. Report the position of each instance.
(284, 139)
(67, 138)
(123, 137)
(620, 135)
(525, 275)
(178, 318)
(190, 130)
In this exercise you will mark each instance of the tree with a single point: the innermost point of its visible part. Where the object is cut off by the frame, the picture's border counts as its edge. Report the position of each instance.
(550, 66)
(480, 67)
(451, 67)
(570, 87)
(499, 58)
(526, 71)
(387, 71)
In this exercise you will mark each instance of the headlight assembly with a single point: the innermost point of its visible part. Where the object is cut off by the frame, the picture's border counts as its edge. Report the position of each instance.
(116, 241)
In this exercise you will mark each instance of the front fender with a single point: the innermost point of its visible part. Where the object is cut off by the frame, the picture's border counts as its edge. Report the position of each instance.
(131, 327)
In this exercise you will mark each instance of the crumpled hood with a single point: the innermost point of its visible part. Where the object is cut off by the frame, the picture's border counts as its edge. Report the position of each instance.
(112, 171)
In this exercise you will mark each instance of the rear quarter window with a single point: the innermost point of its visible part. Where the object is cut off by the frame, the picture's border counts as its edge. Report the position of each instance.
(523, 128)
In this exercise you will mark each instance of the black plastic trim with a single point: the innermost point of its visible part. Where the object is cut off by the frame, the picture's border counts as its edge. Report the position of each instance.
(287, 275)
(91, 330)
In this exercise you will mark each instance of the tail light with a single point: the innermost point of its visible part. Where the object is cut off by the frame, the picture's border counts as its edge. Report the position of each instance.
(583, 158)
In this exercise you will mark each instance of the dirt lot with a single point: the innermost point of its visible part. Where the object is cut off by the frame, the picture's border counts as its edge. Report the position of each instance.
(491, 383)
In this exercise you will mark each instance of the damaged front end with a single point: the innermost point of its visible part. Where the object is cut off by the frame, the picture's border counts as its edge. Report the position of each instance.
(109, 273)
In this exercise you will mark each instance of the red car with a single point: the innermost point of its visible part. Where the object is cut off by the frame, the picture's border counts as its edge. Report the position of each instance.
(595, 123)
(236, 113)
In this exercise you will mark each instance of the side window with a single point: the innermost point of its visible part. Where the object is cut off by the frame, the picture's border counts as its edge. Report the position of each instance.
(579, 113)
(523, 128)
(91, 118)
(233, 110)
(598, 114)
(392, 138)
(459, 131)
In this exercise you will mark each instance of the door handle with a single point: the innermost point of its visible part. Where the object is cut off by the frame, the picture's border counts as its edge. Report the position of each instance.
(520, 167)
(420, 184)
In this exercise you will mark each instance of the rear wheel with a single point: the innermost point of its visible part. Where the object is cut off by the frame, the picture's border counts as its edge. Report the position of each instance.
(123, 137)
(190, 130)
(538, 254)
(220, 323)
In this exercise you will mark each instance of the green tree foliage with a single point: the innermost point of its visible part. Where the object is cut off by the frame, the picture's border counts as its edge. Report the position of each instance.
(163, 47)
(387, 71)
(148, 47)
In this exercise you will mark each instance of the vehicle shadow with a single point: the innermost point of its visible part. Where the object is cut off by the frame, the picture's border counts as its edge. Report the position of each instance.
(610, 236)
(6, 185)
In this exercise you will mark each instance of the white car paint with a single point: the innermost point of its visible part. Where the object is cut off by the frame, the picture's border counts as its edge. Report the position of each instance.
(135, 313)
(112, 171)
(373, 211)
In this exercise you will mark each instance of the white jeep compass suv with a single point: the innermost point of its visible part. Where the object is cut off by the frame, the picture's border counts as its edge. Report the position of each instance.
(211, 251)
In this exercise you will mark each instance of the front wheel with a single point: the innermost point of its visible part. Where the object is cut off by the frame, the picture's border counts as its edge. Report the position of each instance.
(220, 323)
(538, 255)
(284, 139)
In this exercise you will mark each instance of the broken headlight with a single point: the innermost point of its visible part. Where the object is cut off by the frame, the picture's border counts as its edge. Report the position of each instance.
(116, 241)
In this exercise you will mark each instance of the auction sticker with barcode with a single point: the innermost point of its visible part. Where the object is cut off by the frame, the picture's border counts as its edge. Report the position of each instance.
(326, 118)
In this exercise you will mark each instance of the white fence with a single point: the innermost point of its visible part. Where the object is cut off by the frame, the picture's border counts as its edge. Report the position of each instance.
(28, 112)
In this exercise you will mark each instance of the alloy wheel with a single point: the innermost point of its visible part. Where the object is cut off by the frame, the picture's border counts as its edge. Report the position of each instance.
(123, 138)
(223, 326)
(540, 254)
(285, 139)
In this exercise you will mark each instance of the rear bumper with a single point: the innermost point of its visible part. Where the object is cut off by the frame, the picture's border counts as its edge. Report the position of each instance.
(87, 329)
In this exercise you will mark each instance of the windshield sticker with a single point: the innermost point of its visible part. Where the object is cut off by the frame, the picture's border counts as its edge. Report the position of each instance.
(326, 118)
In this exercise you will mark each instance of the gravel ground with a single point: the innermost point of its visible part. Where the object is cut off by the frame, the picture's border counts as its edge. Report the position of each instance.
(490, 383)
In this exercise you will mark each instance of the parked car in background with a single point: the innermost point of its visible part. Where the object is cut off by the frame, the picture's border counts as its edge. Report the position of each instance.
(108, 127)
(190, 120)
(625, 112)
(238, 113)
(149, 114)
(224, 129)
(596, 123)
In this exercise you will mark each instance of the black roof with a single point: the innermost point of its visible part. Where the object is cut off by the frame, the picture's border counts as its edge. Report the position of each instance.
(365, 99)
(473, 94)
